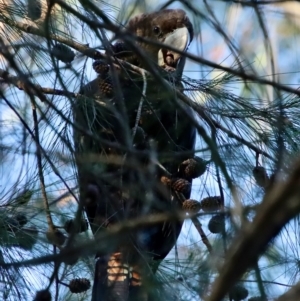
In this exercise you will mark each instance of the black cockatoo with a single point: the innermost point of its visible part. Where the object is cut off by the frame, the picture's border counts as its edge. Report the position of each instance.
(117, 165)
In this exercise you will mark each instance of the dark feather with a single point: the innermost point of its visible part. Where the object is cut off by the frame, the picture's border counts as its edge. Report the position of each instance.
(129, 186)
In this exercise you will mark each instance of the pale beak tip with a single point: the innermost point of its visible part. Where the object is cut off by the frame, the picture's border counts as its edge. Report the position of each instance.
(179, 39)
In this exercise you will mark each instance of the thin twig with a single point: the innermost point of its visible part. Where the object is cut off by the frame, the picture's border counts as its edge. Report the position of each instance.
(203, 236)
(29, 86)
(197, 225)
(40, 166)
(139, 111)
(128, 37)
(103, 239)
(21, 85)
(278, 207)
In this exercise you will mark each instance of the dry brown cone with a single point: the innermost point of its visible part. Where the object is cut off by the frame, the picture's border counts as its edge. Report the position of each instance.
(191, 206)
(192, 168)
(79, 285)
(55, 237)
(101, 67)
(63, 53)
(118, 47)
(177, 184)
(43, 295)
(261, 177)
(105, 86)
(217, 224)
(70, 226)
(211, 203)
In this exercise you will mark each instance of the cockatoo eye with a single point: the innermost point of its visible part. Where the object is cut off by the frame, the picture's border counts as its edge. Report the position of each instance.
(156, 30)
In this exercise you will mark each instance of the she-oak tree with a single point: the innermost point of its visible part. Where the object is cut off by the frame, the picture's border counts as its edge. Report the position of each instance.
(240, 227)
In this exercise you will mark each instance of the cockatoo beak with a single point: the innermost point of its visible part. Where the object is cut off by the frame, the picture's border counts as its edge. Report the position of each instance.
(179, 39)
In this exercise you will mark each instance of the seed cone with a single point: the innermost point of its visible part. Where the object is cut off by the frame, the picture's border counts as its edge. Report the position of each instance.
(192, 168)
(79, 285)
(63, 53)
(217, 224)
(261, 177)
(191, 206)
(181, 185)
(212, 203)
(105, 86)
(177, 184)
(101, 67)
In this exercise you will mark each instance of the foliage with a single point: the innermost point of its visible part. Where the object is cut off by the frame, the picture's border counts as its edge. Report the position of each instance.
(241, 81)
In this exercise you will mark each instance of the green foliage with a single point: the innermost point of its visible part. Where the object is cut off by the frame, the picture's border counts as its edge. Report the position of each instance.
(241, 81)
